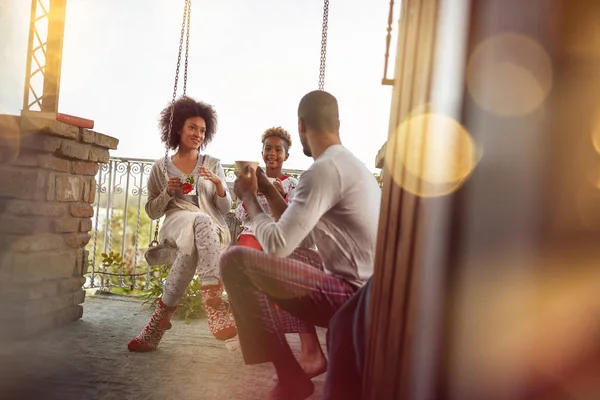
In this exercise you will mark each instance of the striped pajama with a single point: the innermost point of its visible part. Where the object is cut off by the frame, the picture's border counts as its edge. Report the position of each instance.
(255, 281)
(289, 323)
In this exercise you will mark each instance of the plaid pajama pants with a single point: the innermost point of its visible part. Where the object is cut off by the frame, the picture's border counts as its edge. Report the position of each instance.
(288, 322)
(255, 281)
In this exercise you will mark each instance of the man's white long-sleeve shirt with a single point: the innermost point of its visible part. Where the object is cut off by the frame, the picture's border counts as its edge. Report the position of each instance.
(339, 197)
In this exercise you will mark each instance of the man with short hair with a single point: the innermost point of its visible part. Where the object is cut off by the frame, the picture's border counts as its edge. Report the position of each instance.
(337, 203)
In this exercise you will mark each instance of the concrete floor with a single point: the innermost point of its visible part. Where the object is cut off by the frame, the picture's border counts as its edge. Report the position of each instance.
(88, 360)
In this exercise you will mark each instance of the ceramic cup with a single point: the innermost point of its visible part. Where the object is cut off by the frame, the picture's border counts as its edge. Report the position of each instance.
(241, 165)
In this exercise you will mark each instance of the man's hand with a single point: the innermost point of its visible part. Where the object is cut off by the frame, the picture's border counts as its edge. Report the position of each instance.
(263, 181)
(246, 184)
(266, 187)
(275, 196)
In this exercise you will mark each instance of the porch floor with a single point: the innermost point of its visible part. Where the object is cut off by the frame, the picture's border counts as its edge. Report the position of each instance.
(89, 360)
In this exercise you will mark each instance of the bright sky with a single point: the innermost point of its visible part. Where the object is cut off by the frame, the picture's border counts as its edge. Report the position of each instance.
(253, 60)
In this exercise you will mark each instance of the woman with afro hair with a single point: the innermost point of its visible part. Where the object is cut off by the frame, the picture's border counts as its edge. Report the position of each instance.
(194, 199)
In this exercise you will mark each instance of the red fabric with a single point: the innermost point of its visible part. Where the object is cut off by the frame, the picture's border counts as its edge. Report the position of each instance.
(249, 241)
(186, 188)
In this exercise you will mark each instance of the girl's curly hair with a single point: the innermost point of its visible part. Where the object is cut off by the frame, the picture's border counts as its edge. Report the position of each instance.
(186, 107)
(281, 133)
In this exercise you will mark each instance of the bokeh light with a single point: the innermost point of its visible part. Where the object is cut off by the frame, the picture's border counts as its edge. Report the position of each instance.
(515, 323)
(596, 133)
(430, 154)
(509, 75)
(587, 203)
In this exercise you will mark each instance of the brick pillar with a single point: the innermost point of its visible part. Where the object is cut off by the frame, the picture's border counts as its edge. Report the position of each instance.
(47, 187)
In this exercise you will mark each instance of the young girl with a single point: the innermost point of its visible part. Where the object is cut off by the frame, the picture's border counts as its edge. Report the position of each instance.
(194, 198)
(276, 145)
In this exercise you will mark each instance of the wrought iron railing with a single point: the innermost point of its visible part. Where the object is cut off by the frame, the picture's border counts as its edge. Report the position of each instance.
(121, 226)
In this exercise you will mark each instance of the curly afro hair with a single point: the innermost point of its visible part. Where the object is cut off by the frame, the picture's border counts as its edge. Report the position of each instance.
(280, 133)
(186, 107)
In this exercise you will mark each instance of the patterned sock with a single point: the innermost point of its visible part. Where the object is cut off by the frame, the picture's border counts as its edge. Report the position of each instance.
(220, 322)
(159, 323)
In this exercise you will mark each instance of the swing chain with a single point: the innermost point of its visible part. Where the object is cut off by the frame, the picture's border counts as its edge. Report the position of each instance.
(323, 45)
(185, 30)
(187, 46)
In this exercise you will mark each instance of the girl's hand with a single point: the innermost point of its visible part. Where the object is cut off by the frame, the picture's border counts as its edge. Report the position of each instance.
(173, 186)
(279, 186)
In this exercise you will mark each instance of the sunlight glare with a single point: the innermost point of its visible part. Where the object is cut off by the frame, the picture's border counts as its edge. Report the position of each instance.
(430, 154)
(509, 75)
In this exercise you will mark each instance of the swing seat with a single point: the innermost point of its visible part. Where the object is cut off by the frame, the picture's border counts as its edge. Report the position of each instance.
(161, 254)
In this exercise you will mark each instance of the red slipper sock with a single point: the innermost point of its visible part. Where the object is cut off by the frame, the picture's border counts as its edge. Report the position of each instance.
(221, 325)
(150, 337)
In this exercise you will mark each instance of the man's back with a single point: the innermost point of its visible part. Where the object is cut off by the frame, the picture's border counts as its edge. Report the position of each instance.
(346, 234)
(337, 199)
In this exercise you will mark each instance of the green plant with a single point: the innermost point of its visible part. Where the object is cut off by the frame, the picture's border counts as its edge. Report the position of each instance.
(113, 266)
(115, 239)
(190, 305)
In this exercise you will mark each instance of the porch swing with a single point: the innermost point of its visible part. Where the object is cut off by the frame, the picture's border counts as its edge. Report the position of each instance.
(163, 254)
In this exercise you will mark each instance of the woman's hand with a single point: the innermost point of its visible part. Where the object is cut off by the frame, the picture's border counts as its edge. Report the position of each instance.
(173, 186)
(208, 175)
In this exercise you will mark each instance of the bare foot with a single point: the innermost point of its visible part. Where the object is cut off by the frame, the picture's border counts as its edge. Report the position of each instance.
(313, 365)
(296, 391)
(232, 344)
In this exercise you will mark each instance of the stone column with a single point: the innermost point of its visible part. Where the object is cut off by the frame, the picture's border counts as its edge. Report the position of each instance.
(47, 187)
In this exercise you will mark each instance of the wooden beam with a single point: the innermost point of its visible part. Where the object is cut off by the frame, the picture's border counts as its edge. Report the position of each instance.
(56, 31)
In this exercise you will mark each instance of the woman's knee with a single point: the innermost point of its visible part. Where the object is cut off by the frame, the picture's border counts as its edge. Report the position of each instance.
(205, 230)
(202, 220)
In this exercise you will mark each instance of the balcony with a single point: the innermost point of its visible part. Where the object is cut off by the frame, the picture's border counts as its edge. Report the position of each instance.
(121, 226)
(88, 359)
